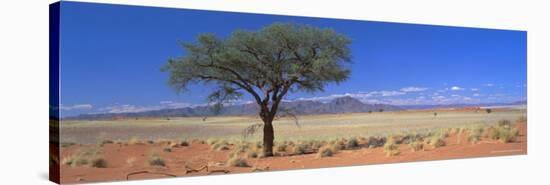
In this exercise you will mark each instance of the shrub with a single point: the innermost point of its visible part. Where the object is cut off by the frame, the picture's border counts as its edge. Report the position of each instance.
(325, 151)
(222, 145)
(167, 150)
(504, 124)
(99, 163)
(184, 143)
(300, 149)
(237, 161)
(107, 141)
(475, 134)
(391, 148)
(416, 146)
(437, 142)
(376, 142)
(156, 160)
(280, 147)
(509, 135)
(488, 111)
(211, 141)
(134, 140)
(80, 161)
(504, 132)
(352, 143)
(252, 154)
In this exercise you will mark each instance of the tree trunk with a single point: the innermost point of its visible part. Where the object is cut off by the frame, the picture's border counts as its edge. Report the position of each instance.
(268, 138)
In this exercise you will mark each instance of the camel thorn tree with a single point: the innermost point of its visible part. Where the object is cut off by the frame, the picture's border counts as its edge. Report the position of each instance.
(266, 64)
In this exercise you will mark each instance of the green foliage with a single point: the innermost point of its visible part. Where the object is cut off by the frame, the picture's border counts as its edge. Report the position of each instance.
(266, 63)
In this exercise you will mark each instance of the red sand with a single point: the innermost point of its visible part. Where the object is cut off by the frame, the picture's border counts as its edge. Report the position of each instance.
(197, 155)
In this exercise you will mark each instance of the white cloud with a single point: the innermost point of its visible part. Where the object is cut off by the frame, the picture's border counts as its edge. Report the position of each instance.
(75, 107)
(489, 85)
(413, 89)
(476, 94)
(474, 89)
(457, 88)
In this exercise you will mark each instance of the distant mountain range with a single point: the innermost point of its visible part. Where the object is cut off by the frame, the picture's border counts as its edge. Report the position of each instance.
(302, 107)
(306, 107)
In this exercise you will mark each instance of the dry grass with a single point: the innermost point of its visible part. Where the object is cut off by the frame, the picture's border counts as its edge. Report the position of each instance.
(390, 148)
(416, 146)
(504, 132)
(326, 151)
(99, 163)
(130, 161)
(237, 161)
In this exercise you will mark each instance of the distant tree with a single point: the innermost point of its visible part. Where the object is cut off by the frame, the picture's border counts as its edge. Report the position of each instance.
(266, 64)
(488, 111)
(380, 110)
(370, 111)
(435, 114)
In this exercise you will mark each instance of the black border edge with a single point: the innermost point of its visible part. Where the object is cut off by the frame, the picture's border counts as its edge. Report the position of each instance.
(54, 153)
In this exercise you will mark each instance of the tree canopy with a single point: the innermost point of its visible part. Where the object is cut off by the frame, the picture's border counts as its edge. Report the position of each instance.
(267, 64)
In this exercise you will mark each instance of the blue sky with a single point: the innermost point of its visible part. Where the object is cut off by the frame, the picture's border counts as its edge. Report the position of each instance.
(111, 57)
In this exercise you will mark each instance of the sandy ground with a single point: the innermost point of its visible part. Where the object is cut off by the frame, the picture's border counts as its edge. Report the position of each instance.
(124, 159)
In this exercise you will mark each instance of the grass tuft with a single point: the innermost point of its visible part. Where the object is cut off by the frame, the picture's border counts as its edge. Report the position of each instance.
(237, 161)
(391, 148)
(99, 163)
(326, 151)
(156, 160)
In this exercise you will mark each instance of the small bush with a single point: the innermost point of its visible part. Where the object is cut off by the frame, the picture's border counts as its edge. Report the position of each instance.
(237, 161)
(223, 145)
(252, 154)
(475, 134)
(212, 141)
(504, 124)
(352, 143)
(167, 150)
(156, 161)
(300, 149)
(134, 140)
(107, 141)
(437, 142)
(99, 163)
(376, 142)
(280, 147)
(391, 148)
(416, 146)
(325, 151)
(184, 143)
(504, 132)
